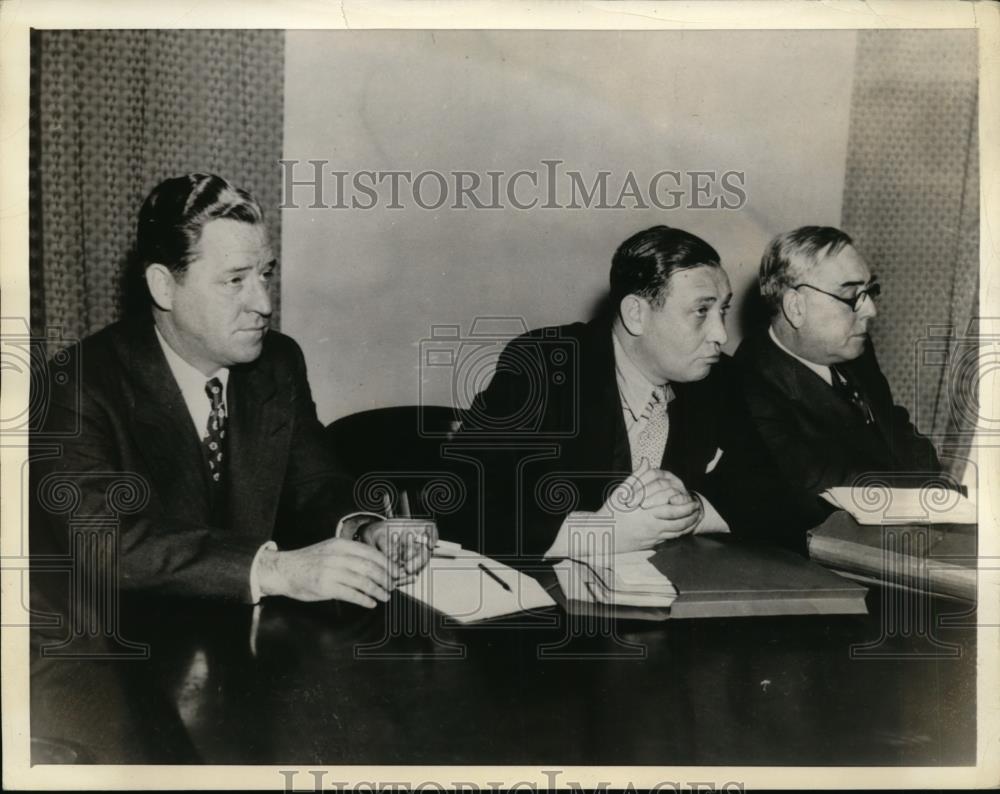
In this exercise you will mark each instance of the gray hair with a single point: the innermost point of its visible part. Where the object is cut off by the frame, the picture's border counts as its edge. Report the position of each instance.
(789, 256)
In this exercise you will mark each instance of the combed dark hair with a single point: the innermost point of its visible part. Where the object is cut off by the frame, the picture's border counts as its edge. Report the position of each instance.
(789, 256)
(644, 263)
(170, 225)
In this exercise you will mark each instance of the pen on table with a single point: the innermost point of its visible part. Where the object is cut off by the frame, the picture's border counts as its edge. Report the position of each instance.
(495, 578)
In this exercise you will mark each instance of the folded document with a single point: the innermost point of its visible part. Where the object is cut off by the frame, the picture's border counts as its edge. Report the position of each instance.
(469, 587)
(587, 592)
(630, 579)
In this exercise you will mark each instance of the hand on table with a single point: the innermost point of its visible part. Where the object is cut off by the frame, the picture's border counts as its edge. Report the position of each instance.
(406, 543)
(335, 568)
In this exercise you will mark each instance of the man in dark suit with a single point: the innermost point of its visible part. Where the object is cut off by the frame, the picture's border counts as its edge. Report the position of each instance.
(624, 432)
(209, 416)
(812, 382)
(183, 457)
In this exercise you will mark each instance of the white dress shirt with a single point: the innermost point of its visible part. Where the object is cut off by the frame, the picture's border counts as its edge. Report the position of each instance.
(635, 391)
(192, 382)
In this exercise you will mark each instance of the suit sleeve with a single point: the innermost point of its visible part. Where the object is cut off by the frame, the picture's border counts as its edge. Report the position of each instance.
(502, 430)
(918, 453)
(910, 451)
(81, 485)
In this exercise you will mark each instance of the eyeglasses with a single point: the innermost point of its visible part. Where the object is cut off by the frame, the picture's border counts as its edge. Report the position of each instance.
(872, 292)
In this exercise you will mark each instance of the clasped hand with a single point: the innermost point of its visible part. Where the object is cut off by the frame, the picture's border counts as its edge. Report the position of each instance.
(651, 506)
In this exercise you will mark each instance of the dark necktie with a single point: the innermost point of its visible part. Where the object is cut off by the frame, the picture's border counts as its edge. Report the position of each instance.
(215, 440)
(846, 389)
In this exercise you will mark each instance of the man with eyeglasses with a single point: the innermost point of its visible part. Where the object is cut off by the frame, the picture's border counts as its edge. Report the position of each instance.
(812, 383)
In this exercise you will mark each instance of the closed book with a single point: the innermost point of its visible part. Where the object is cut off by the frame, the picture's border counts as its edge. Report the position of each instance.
(936, 558)
(722, 576)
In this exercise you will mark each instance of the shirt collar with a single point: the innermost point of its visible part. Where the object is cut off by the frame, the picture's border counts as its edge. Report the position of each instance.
(820, 369)
(633, 386)
(190, 379)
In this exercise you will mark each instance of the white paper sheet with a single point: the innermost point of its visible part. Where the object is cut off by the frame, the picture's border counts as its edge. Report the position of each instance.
(458, 586)
(875, 505)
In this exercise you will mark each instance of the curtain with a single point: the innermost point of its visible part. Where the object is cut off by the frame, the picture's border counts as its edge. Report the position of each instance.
(114, 112)
(911, 203)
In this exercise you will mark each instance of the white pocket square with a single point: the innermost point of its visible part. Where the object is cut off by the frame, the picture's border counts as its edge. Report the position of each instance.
(714, 461)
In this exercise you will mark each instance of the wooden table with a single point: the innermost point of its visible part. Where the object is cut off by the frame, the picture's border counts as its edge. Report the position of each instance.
(327, 684)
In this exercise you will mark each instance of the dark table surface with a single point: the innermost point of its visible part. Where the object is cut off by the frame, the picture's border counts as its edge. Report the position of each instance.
(326, 684)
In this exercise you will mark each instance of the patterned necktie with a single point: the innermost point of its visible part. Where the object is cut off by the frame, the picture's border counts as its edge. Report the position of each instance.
(843, 386)
(215, 440)
(653, 437)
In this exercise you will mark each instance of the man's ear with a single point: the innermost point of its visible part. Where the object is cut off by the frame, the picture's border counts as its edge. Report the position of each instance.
(634, 312)
(161, 285)
(793, 307)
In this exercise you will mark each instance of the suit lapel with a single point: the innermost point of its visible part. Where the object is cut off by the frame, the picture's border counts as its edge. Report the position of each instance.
(677, 436)
(259, 435)
(803, 385)
(164, 433)
(602, 426)
(820, 400)
(690, 435)
(879, 438)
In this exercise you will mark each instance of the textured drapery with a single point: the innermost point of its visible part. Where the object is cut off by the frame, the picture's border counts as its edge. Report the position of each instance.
(911, 203)
(116, 111)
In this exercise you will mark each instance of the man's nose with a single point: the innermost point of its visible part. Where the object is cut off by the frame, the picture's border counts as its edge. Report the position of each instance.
(867, 310)
(717, 331)
(259, 299)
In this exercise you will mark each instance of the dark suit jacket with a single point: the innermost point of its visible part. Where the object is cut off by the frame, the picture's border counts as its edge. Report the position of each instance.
(124, 416)
(547, 437)
(817, 438)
